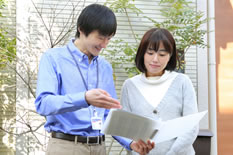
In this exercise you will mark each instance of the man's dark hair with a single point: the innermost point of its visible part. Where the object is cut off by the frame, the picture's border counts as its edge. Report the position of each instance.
(96, 17)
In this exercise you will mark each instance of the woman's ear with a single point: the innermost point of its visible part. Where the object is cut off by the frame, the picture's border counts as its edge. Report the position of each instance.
(171, 55)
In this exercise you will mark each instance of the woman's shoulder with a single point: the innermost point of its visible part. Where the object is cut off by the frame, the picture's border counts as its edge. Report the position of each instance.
(183, 80)
(182, 76)
(133, 79)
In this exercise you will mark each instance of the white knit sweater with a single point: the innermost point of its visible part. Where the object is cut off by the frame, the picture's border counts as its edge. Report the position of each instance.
(149, 86)
(178, 100)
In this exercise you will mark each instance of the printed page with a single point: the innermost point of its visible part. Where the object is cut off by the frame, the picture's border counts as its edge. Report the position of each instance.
(126, 124)
(133, 126)
(176, 127)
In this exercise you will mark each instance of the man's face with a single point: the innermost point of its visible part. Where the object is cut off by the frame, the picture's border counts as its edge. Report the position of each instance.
(93, 43)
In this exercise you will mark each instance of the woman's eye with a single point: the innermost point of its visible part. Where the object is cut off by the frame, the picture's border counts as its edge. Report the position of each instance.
(163, 54)
(150, 53)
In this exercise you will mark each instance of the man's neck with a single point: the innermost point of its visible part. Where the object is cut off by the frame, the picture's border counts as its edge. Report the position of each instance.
(80, 47)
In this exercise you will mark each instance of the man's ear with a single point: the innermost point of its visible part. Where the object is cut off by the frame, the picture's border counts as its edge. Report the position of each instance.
(79, 30)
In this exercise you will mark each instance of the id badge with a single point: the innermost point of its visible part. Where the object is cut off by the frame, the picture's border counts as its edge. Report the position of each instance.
(96, 123)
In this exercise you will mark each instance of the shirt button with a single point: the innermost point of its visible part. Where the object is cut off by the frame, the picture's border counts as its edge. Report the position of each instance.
(155, 111)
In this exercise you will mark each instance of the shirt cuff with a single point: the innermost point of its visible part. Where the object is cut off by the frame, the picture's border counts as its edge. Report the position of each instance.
(125, 142)
(78, 99)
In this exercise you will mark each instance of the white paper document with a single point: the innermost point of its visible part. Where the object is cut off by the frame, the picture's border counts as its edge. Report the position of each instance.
(133, 126)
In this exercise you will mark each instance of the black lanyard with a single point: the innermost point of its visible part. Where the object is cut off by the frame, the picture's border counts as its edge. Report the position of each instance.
(77, 65)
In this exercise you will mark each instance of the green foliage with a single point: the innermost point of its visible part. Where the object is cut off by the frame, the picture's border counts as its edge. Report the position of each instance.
(180, 18)
(7, 44)
(2, 4)
(122, 6)
(184, 22)
(120, 52)
(7, 48)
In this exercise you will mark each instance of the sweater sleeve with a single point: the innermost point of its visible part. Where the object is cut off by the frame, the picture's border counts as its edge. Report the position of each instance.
(189, 107)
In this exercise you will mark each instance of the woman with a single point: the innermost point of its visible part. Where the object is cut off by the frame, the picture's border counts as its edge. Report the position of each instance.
(159, 92)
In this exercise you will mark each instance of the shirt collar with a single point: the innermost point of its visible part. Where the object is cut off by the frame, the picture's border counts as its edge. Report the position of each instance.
(77, 52)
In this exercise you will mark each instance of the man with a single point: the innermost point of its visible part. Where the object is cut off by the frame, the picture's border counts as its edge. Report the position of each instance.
(75, 88)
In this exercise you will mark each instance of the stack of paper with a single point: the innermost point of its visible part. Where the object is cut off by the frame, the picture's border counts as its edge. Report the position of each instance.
(129, 125)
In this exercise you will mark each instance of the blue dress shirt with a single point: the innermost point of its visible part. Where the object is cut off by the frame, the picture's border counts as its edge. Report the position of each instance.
(60, 94)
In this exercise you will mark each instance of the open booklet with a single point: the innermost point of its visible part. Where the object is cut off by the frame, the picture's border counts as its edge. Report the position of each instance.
(133, 126)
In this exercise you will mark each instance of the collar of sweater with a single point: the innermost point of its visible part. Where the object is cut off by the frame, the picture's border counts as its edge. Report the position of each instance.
(156, 79)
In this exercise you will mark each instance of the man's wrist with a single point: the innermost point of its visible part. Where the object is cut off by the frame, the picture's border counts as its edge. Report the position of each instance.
(86, 98)
(130, 145)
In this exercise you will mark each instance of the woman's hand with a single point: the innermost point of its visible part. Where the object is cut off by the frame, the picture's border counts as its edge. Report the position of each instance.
(141, 147)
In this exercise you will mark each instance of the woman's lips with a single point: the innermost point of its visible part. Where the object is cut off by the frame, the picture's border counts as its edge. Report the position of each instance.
(154, 66)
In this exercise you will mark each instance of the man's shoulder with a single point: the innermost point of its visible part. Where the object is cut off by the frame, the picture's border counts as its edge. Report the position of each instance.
(103, 61)
(55, 53)
(55, 50)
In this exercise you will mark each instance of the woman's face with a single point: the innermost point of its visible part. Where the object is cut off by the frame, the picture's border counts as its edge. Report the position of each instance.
(156, 61)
